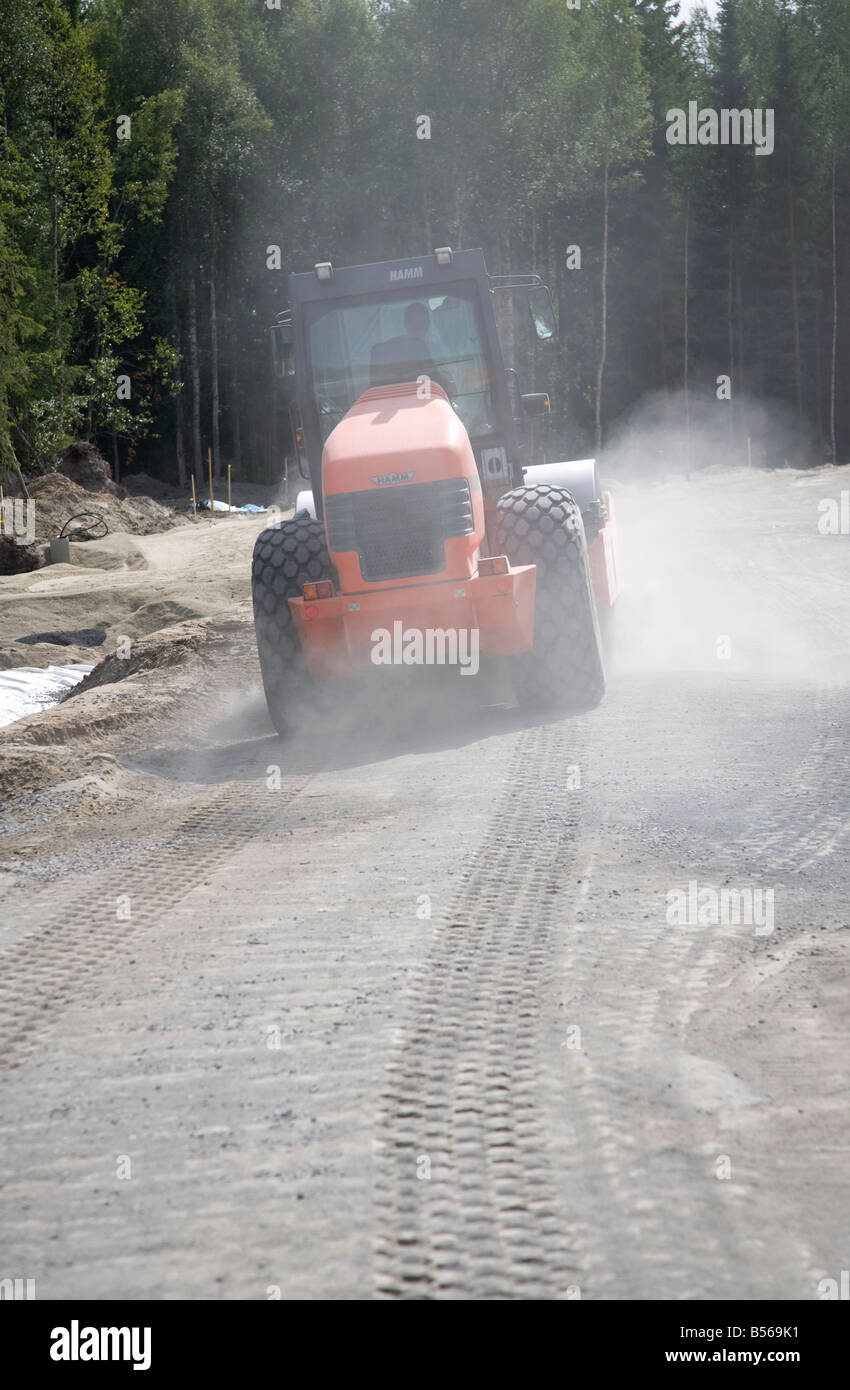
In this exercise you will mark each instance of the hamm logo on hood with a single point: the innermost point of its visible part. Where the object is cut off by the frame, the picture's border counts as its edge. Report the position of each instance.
(384, 479)
(413, 272)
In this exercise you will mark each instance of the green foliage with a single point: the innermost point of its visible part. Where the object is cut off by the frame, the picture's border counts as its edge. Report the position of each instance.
(66, 197)
(297, 127)
(145, 164)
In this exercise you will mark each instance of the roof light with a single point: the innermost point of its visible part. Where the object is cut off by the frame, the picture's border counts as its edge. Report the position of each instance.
(324, 271)
(444, 255)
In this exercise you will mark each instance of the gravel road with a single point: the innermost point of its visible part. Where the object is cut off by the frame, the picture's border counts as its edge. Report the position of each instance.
(436, 1001)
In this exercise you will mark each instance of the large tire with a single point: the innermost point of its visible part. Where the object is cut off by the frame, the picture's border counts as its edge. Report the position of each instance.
(542, 526)
(285, 557)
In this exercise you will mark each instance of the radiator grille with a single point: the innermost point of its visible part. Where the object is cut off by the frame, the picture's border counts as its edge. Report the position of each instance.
(400, 531)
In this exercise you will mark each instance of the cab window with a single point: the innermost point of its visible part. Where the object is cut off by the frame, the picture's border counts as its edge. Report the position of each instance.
(356, 344)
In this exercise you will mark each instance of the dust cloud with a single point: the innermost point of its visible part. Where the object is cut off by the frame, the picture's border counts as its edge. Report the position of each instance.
(724, 567)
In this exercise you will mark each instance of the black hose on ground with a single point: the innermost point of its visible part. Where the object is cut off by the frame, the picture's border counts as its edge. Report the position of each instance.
(88, 533)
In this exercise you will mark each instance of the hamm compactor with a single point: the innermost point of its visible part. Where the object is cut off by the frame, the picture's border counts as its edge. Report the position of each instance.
(428, 511)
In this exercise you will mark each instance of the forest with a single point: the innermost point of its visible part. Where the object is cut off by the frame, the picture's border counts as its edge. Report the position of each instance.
(165, 163)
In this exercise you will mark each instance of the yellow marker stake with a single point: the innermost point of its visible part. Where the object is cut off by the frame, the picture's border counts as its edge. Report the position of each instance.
(194, 498)
(212, 499)
(1, 510)
(228, 485)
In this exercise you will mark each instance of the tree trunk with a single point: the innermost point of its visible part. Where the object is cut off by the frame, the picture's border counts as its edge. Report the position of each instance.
(180, 448)
(730, 327)
(460, 191)
(179, 400)
(662, 326)
(832, 439)
(818, 382)
(603, 346)
(739, 315)
(235, 404)
(426, 205)
(195, 369)
(179, 424)
(54, 238)
(759, 343)
(686, 349)
(214, 382)
(533, 362)
(795, 306)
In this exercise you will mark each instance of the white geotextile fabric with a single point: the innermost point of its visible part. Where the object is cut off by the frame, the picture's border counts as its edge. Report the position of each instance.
(25, 689)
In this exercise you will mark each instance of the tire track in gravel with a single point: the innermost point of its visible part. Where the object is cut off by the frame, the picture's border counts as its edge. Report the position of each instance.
(483, 1112)
(799, 820)
(619, 973)
(466, 1195)
(251, 1164)
(71, 941)
(812, 817)
(529, 1196)
(794, 831)
(641, 1009)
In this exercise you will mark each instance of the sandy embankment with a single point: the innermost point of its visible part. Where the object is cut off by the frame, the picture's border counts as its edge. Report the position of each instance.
(177, 603)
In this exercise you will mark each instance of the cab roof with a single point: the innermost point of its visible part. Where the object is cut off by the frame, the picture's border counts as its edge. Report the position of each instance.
(351, 280)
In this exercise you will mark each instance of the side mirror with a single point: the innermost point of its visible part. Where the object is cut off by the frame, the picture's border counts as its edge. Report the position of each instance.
(535, 404)
(542, 312)
(283, 352)
(298, 440)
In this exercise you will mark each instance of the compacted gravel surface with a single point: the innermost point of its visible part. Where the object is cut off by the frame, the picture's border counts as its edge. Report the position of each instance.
(436, 1000)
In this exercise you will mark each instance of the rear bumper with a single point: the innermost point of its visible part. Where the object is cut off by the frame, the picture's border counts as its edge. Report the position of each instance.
(338, 634)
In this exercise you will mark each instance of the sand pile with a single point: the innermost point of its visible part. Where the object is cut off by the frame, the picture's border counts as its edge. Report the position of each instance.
(169, 683)
(80, 488)
(57, 498)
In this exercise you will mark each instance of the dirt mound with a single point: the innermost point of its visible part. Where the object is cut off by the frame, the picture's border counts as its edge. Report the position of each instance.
(18, 559)
(169, 646)
(57, 498)
(84, 465)
(171, 678)
(142, 484)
